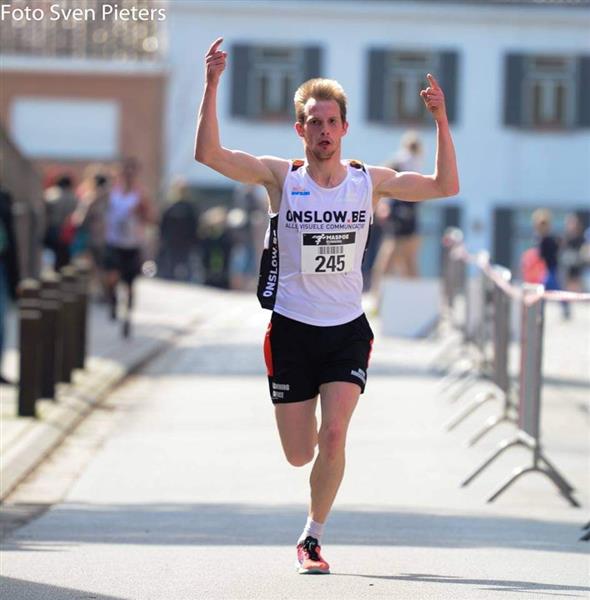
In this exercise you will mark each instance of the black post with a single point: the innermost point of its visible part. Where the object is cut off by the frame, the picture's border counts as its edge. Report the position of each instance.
(83, 270)
(30, 349)
(51, 334)
(69, 322)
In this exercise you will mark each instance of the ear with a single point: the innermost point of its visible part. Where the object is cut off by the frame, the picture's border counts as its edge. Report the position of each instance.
(345, 127)
(299, 129)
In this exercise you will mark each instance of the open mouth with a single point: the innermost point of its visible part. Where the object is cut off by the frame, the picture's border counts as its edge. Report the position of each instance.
(325, 144)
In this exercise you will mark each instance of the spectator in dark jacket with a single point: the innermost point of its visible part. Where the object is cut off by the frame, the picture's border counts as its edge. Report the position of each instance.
(178, 234)
(549, 247)
(60, 204)
(9, 269)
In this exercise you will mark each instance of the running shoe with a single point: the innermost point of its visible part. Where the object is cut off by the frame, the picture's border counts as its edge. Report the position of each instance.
(309, 559)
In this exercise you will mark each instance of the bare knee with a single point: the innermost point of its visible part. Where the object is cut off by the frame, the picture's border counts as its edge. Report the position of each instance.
(299, 457)
(331, 441)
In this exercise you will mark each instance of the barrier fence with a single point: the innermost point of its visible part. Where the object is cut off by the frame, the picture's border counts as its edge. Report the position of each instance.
(479, 310)
(53, 322)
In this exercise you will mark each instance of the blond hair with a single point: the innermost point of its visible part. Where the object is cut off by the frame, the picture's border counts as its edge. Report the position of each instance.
(319, 89)
(542, 216)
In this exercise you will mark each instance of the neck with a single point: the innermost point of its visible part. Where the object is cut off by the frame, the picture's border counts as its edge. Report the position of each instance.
(327, 173)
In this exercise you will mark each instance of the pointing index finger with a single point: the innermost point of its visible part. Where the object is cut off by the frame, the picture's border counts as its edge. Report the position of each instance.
(432, 81)
(215, 45)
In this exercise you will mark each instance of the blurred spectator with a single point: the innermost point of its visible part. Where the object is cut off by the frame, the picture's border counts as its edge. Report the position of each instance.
(572, 260)
(216, 246)
(585, 252)
(90, 221)
(398, 221)
(9, 268)
(548, 246)
(128, 212)
(247, 222)
(60, 204)
(178, 235)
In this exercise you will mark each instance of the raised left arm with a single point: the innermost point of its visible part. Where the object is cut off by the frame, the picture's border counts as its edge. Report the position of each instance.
(415, 187)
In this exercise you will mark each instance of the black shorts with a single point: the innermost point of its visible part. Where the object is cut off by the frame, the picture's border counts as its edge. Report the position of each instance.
(127, 261)
(300, 357)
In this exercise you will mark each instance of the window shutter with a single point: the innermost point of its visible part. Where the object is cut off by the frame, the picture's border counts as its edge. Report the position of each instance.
(583, 119)
(239, 59)
(513, 100)
(312, 56)
(449, 81)
(376, 71)
(503, 237)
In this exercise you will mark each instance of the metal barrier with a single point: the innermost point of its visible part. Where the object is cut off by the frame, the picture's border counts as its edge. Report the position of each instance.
(492, 332)
(499, 325)
(53, 334)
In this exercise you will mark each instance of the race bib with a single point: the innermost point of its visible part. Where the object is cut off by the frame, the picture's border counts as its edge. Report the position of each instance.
(327, 253)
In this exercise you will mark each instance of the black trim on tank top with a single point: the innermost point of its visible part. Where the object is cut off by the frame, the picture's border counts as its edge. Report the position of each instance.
(357, 164)
(268, 279)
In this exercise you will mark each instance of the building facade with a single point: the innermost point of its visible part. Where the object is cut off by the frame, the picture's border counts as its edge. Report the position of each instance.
(516, 77)
(75, 92)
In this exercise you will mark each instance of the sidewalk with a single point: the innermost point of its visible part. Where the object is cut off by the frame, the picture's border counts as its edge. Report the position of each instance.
(164, 309)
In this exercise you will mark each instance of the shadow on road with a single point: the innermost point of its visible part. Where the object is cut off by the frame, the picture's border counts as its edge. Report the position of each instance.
(493, 585)
(240, 524)
(238, 359)
(14, 589)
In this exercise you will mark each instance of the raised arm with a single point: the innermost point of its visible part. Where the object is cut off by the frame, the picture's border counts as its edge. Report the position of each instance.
(415, 187)
(234, 164)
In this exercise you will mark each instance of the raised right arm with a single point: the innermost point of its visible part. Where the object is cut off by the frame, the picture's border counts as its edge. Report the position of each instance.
(235, 164)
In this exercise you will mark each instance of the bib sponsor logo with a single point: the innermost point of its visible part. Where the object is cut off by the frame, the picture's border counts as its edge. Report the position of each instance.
(329, 239)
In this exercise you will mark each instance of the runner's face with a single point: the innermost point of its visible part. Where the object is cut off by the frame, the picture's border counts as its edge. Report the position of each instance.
(322, 128)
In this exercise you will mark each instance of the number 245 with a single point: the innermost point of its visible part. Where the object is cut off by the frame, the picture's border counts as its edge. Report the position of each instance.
(331, 263)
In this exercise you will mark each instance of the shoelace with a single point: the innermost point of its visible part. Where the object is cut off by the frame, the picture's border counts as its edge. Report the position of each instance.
(310, 545)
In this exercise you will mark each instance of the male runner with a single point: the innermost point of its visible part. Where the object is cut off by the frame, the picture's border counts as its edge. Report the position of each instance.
(318, 340)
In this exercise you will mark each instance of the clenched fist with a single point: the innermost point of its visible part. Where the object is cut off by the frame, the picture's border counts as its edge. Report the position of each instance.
(215, 60)
(434, 98)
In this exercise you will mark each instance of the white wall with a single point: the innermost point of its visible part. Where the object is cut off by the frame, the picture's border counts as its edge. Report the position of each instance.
(497, 165)
(66, 128)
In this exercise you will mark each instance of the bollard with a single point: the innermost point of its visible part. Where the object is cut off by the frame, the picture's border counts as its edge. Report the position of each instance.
(30, 349)
(68, 322)
(51, 334)
(83, 272)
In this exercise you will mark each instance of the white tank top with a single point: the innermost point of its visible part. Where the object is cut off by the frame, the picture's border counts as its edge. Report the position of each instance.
(123, 226)
(314, 248)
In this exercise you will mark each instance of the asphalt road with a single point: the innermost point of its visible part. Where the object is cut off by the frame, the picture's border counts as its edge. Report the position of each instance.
(177, 490)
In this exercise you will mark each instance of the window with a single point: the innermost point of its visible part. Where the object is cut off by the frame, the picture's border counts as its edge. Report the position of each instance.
(66, 128)
(405, 77)
(547, 91)
(276, 74)
(264, 79)
(396, 78)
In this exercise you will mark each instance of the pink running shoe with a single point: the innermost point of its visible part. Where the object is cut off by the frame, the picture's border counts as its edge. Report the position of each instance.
(309, 559)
